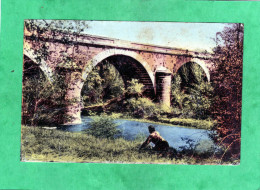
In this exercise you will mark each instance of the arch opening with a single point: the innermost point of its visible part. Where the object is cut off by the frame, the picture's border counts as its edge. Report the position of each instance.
(30, 54)
(35, 93)
(128, 68)
(191, 91)
(31, 69)
(103, 83)
(191, 74)
(117, 52)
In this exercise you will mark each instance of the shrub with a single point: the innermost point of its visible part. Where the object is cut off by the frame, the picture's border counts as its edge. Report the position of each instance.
(205, 148)
(165, 109)
(115, 115)
(134, 87)
(103, 127)
(143, 107)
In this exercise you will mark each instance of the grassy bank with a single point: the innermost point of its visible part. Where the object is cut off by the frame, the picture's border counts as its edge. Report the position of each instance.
(47, 145)
(180, 122)
(188, 122)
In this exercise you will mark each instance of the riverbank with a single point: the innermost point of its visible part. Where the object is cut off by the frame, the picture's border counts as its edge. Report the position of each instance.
(179, 122)
(39, 144)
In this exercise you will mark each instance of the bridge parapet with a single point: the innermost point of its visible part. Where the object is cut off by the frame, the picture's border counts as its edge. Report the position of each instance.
(93, 40)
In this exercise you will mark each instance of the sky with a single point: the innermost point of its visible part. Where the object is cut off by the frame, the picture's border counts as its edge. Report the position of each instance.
(192, 36)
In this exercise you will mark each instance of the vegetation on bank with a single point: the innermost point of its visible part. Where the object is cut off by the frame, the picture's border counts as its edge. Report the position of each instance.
(227, 83)
(180, 122)
(39, 144)
(194, 123)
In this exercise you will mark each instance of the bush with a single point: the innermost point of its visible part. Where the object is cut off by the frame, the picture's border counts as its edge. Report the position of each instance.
(165, 109)
(103, 127)
(143, 107)
(134, 87)
(205, 148)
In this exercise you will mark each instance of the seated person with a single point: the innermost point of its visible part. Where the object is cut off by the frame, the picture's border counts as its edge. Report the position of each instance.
(160, 143)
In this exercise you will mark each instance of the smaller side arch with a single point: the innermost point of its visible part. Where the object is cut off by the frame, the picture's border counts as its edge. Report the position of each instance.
(43, 65)
(203, 66)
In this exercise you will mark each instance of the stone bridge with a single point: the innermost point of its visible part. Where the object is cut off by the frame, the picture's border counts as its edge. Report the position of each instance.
(74, 56)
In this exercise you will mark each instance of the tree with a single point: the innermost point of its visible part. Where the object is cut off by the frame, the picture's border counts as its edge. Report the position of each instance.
(227, 79)
(103, 83)
(66, 26)
(92, 88)
(44, 100)
(191, 92)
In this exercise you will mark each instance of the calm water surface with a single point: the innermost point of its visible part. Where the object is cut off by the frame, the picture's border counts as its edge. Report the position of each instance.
(178, 137)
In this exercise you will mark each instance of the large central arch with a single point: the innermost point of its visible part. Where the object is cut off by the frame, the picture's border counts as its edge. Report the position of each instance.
(129, 64)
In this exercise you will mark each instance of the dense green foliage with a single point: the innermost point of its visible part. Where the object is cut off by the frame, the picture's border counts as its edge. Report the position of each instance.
(191, 92)
(42, 100)
(103, 127)
(145, 108)
(142, 107)
(134, 87)
(103, 83)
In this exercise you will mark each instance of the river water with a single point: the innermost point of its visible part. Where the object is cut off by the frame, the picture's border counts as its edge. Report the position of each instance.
(177, 137)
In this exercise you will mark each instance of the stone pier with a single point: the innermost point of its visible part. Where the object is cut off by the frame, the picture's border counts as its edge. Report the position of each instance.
(73, 103)
(163, 85)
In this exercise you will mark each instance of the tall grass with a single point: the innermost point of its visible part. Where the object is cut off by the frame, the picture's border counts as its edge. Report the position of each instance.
(47, 145)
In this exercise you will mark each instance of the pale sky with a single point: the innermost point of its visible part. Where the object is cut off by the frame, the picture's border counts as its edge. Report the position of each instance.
(192, 36)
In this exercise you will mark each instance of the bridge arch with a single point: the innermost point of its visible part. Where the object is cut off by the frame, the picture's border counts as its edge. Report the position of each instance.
(135, 64)
(31, 68)
(192, 72)
(42, 64)
(112, 52)
(201, 63)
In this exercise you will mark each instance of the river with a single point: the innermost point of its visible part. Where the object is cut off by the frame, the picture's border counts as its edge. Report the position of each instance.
(178, 137)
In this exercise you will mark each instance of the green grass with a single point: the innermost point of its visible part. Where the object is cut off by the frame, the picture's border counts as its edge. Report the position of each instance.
(188, 122)
(180, 122)
(39, 144)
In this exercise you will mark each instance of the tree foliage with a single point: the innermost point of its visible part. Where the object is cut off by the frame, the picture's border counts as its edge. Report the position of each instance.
(66, 26)
(44, 97)
(191, 92)
(103, 83)
(43, 101)
(142, 108)
(228, 86)
(134, 87)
